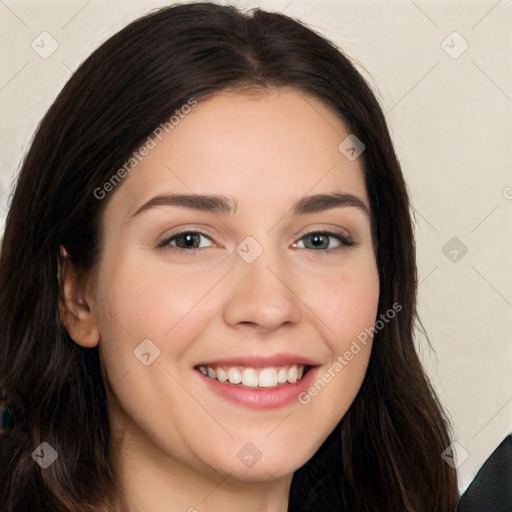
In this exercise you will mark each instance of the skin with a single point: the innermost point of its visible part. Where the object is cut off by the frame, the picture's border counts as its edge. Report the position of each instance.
(175, 443)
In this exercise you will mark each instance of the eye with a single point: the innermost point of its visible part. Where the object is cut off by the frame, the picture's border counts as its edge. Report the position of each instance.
(189, 241)
(186, 241)
(320, 240)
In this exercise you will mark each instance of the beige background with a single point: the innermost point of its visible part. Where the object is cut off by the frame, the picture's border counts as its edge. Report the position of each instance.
(449, 109)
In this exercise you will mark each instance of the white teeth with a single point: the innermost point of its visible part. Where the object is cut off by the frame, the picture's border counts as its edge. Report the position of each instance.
(250, 377)
(234, 376)
(292, 374)
(281, 376)
(222, 376)
(267, 378)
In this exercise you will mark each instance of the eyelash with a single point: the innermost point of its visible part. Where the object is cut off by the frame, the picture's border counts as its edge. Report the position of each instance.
(345, 240)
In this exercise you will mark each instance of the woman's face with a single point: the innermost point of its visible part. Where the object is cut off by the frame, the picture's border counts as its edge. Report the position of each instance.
(261, 293)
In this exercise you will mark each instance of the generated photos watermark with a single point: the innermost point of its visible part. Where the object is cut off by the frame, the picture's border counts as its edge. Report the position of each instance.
(343, 360)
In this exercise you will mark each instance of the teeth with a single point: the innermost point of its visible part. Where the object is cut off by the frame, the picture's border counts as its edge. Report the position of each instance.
(252, 378)
(222, 376)
(234, 376)
(292, 374)
(268, 378)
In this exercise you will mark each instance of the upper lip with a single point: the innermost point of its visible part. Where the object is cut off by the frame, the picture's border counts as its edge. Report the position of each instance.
(262, 361)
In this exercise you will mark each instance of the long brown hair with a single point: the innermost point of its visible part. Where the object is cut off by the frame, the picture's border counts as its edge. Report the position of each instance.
(385, 454)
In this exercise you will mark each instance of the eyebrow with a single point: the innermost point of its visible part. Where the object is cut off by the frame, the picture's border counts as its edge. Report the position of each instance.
(225, 205)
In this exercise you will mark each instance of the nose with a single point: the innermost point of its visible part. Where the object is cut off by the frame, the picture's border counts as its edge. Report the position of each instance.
(261, 294)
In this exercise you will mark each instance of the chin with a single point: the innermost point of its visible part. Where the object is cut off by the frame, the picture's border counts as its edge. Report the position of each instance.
(247, 466)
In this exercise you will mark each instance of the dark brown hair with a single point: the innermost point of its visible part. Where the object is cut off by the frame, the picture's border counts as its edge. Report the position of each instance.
(385, 454)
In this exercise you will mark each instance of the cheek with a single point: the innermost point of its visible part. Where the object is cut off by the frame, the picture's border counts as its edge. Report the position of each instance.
(140, 301)
(348, 308)
(347, 303)
(346, 311)
(148, 300)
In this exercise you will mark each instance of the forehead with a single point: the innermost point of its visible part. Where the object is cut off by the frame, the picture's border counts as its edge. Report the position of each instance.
(251, 146)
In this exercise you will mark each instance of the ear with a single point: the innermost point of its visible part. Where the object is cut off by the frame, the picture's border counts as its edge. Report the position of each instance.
(76, 304)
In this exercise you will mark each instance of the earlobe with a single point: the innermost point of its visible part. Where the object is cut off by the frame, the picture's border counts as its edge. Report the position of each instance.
(76, 304)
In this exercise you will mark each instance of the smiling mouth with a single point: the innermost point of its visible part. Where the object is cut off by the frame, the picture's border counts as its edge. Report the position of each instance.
(249, 377)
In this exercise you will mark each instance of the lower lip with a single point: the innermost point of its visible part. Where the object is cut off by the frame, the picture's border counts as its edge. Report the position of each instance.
(261, 398)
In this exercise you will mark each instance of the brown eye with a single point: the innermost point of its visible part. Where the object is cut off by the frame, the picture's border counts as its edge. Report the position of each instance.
(186, 241)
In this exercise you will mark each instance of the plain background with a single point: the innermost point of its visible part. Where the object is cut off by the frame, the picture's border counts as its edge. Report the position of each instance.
(448, 101)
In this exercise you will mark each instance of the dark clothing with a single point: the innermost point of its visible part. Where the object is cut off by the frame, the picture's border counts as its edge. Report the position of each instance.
(491, 489)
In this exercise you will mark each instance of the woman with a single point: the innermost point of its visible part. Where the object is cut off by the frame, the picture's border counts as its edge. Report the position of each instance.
(272, 368)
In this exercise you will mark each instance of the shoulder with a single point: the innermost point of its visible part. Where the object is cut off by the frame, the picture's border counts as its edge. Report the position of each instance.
(491, 489)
